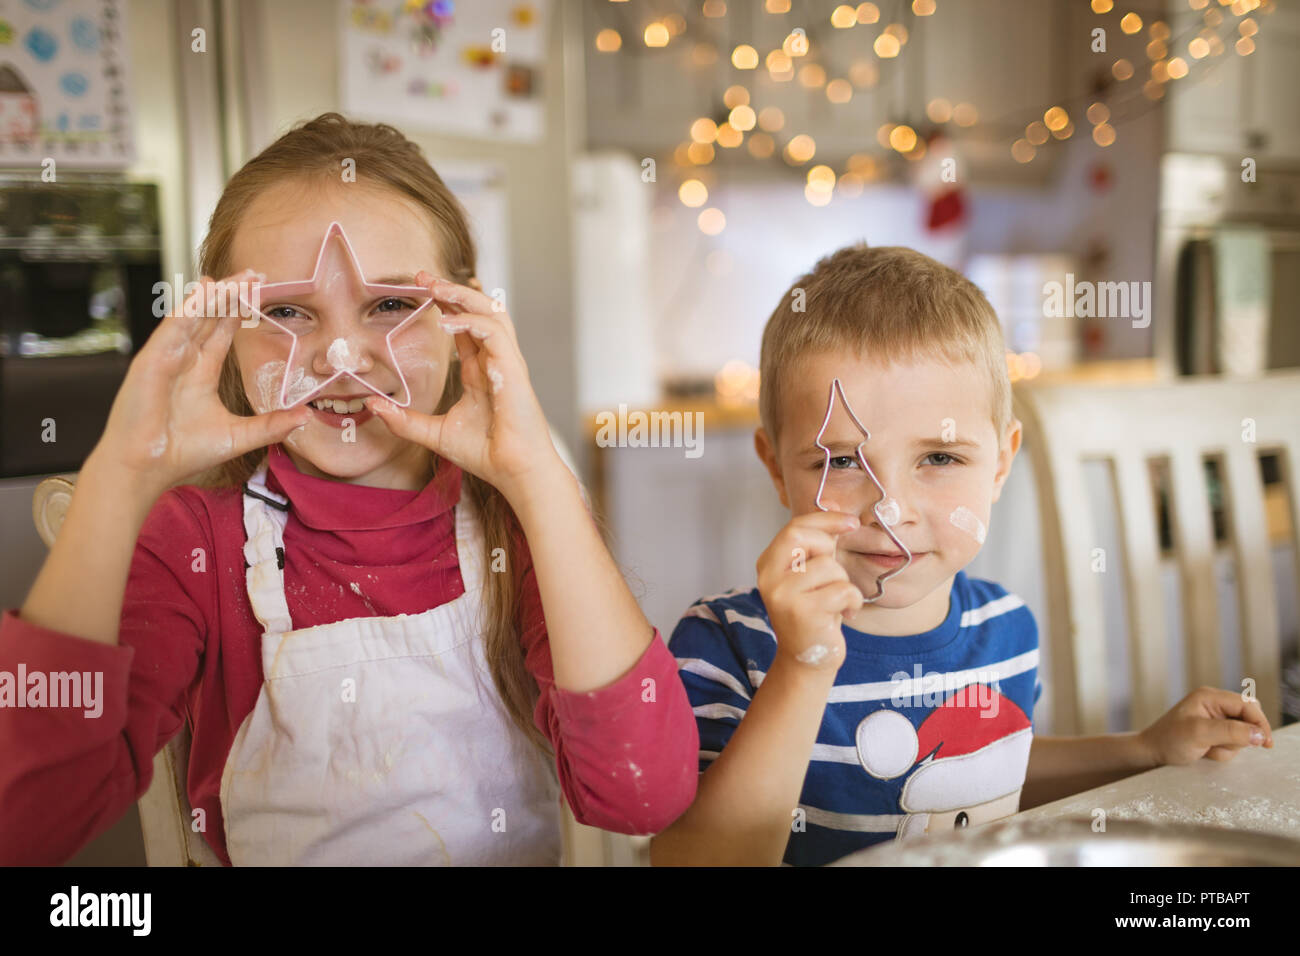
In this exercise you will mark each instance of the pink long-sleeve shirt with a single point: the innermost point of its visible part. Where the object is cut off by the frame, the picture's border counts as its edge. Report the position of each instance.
(189, 651)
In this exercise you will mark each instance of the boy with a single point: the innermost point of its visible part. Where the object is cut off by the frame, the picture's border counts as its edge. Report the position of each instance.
(830, 721)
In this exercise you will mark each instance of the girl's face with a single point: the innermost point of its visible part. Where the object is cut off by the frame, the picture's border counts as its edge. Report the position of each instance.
(339, 325)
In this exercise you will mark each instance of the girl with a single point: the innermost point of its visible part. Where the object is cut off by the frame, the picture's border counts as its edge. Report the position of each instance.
(390, 631)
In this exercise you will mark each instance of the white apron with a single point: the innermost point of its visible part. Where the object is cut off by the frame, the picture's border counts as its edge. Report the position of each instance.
(380, 740)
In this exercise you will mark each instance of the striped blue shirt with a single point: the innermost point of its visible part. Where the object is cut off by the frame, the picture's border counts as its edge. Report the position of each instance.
(920, 734)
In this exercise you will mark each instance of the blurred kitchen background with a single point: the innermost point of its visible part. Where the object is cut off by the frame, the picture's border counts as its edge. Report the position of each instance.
(646, 178)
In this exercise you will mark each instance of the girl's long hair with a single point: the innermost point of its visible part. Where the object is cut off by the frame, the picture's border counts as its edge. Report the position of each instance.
(315, 150)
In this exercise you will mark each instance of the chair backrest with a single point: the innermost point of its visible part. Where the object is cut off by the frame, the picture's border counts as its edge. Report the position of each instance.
(1178, 425)
(166, 818)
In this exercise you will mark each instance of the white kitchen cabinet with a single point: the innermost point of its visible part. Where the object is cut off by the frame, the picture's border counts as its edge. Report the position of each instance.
(1240, 106)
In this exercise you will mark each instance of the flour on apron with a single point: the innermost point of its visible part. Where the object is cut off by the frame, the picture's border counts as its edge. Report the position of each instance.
(380, 740)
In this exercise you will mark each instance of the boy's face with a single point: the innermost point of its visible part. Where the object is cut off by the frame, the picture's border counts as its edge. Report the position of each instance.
(933, 447)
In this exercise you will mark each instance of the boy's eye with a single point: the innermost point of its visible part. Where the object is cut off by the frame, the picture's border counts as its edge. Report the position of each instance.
(947, 459)
(843, 462)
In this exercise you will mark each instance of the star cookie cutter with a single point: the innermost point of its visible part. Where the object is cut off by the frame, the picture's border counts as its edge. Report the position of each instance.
(838, 389)
(298, 287)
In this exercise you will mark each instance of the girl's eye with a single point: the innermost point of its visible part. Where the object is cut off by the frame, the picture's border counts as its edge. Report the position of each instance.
(395, 305)
(284, 313)
(947, 459)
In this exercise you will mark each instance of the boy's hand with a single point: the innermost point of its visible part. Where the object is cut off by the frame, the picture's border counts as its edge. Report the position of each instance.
(1208, 722)
(806, 590)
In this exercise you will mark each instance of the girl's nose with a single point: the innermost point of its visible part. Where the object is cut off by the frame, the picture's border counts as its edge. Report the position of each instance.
(342, 354)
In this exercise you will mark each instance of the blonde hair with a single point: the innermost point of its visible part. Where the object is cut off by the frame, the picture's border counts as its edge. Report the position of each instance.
(888, 303)
(312, 152)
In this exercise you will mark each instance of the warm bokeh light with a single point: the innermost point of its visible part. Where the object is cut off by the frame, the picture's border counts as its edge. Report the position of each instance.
(863, 165)
(882, 134)
(849, 185)
(1245, 46)
(1130, 23)
(1122, 70)
(812, 75)
(843, 17)
(868, 13)
(1156, 50)
(779, 65)
(839, 91)
(965, 114)
(681, 155)
(608, 41)
(939, 110)
(656, 35)
(796, 44)
(864, 74)
(744, 57)
(693, 193)
(1065, 132)
(1102, 6)
(898, 31)
(729, 137)
(777, 6)
(1160, 71)
(742, 118)
(886, 46)
(1056, 118)
(1248, 27)
(1022, 151)
(822, 175)
(771, 119)
(735, 96)
(761, 145)
(800, 149)
(923, 8)
(902, 138)
(1177, 68)
(1198, 48)
(1036, 133)
(711, 221)
(1158, 30)
(714, 8)
(817, 195)
(916, 152)
(676, 24)
(704, 54)
(704, 130)
(1103, 134)
(1098, 113)
(701, 154)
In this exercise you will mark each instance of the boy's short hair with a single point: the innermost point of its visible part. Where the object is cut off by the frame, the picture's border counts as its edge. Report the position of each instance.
(889, 303)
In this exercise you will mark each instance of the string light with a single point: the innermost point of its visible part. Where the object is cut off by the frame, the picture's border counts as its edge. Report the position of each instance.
(868, 13)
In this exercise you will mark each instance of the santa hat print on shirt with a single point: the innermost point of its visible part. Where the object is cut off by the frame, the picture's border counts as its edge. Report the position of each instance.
(961, 757)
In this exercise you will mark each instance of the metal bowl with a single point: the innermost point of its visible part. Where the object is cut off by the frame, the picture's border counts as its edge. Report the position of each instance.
(1071, 841)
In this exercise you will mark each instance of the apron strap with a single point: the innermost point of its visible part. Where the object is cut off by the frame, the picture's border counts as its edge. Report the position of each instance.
(265, 514)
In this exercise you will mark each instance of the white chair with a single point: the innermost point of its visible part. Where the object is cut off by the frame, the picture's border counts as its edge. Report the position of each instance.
(1182, 423)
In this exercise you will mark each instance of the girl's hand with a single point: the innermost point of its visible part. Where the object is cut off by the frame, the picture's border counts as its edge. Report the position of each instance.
(167, 421)
(496, 430)
(1208, 722)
